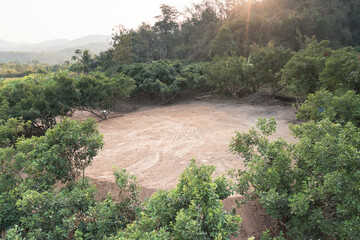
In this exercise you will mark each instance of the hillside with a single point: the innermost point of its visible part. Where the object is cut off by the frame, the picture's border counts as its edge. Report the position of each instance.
(52, 51)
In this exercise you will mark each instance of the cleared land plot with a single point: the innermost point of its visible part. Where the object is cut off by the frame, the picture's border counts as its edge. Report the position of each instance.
(156, 143)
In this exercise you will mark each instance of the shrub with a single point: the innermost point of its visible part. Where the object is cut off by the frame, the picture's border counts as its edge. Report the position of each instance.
(98, 93)
(337, 108)
(229, 74)
(268, 61)
(191, 211)
(300, 76)
(312, 186)
(342, 71)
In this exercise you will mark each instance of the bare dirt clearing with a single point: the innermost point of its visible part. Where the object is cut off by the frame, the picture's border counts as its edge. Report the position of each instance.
(156, 144)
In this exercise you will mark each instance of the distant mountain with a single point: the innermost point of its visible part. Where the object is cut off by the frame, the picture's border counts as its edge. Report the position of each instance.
(40, 47)
(52, 51)
(52, 45)
(4, 45)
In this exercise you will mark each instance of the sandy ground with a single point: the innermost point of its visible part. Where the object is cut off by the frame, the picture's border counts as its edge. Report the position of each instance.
(156, 144)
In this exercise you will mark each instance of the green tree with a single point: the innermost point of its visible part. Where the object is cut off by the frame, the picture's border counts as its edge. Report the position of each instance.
(229, 74)
(10, 131)
(98, 93)
(39, 99)
(37, 163)
(300, 75)
(86, 61)
(311, 187)
(144, 44)
(61, 154)
(222, 43)
(73, 213)
(191, 211)
(342, 71)
(165, 79)
(197, 31)
(268, 61)
(122, 45)
(341, 109)
(167, 28)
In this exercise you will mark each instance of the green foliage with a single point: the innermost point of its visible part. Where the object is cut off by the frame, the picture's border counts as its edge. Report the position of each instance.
(39, 99)
(98, 93)
(122, 45)
(16, 69)
(10, 131)
(223, 43)
(85, 61)
(337, 108)
(37, 163)
(166, 28)
(217, 26)
(106, 217)
(266, 236)
(9, 179)
(342, 71)
(70, 212)
(300, 75)
(191, 211)
(166, 79)
(312, 186)
(45, 215)
(268, 61)
(129, 191)
(67, 212)
(61, 154)
(229, 74)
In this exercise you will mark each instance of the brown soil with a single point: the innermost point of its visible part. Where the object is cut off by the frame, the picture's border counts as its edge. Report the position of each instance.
(156, 143)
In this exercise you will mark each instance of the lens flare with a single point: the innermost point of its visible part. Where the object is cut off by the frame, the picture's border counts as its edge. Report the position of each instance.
(247, 27)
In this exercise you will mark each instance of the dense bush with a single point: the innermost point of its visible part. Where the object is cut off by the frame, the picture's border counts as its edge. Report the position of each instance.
(342, 71)
(70, 213)
(98, 93)
(341, 108)
(230, 75)
(268, 61)
(300, 76)
(39, 162)
(165, 79)
(31, 207)
(311, 187)
(10, 131)
(39, 99)
(192, 210)
(16, 69)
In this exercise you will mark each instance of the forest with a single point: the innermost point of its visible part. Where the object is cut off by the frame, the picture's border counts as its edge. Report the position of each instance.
(304, 50)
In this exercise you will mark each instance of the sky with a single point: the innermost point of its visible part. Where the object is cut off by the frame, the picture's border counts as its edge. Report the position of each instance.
(33, 21)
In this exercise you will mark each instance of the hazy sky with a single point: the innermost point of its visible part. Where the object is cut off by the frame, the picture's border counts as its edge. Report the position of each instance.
(34, 21)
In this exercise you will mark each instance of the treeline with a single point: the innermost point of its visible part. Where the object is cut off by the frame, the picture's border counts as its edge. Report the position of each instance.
(28, 57)
(215, 27)
(17, 69)
(282, 71)
(39, 99)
